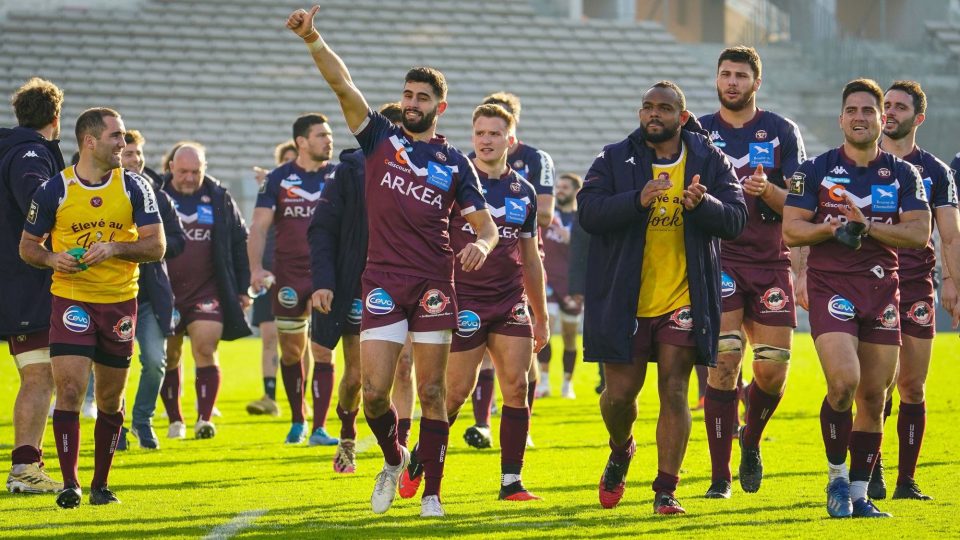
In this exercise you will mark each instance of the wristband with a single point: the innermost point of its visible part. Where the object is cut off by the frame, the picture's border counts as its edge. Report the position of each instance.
(483, 245)
(869, 228)
(312, 36)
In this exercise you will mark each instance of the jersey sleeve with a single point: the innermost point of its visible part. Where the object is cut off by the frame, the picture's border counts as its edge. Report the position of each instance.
(146, 210)
(267, 194)
(26, 173)
(529, 227)
(803, 187)
(469, 194)
(375, 128)
(912, 194)
(542, 174)
(792, 150)
(943, 190)
(43, 207)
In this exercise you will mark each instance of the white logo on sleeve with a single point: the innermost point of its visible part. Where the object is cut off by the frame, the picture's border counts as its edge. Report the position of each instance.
(30, 153)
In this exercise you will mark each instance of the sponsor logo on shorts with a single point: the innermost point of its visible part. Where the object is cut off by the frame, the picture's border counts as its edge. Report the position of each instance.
(356, 311)
(841, 308)
(890, 318)
(124, 328)
(76, 319)
(727, 285)
(287, 297)
(518, 314)
(212, 306)
(176, 317)
(22, 338)
(434, 301)
(774, 299)
(468, 322)
(379, 302)
(921, 313)
(682, 318)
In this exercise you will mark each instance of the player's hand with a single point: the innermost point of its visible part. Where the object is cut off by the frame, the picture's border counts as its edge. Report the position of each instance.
(472, 256)
(260, 174)
(541, 333)
(261, 279)
(301, 23)
(756, 184)
(800, 291)
(851, 211)
(653, 189)
(244, 300)
(98, 252)
(694, 194)
(64, 263)
(948, 295)
(571, 303)
(322, 300)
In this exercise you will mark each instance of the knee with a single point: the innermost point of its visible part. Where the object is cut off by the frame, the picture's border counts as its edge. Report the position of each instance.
(37, 378)
(618, 398)
(350, 385)
(515, 389)
(912, 390)
(771, 383)
(431, 394)
(375, 400)
(840, 393)
(724, 376)
(673, 392)
(70, 393)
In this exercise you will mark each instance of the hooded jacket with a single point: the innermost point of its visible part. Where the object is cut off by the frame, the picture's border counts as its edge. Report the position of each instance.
(154, 280)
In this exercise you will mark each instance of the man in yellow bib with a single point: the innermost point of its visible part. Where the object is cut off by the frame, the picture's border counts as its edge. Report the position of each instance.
(657, 205)
(101, 222)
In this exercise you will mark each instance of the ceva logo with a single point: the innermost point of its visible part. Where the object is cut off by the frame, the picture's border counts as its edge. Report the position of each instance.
(356, 311)
(379, 302)
(841, 308)
(727, 285)
(76, 319)
(287, 297)
(468, 322)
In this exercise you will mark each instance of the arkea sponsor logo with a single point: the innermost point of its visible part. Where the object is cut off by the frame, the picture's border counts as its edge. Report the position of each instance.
(379, 302)
(76, 319)
(468, 323)
(841, 308)
(287, 297)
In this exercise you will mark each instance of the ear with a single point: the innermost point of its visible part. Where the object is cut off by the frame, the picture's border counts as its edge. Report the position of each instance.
(441, 108)
(512, 138)
(756, 84)
(918, 119)
(684, 116)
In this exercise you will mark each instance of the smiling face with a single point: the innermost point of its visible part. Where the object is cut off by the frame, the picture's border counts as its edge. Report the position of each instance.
(420, 106)
(860, 120)
(132, 158)
(106, 148)
(901, 116)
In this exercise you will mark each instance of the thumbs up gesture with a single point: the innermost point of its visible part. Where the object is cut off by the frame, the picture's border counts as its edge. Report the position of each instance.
(757, 184)
(301, 23)
(694, 193)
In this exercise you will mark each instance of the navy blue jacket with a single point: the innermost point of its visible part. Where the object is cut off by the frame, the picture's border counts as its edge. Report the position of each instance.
(154, 281)
(609, 209)
(338, 245)
(26, 161)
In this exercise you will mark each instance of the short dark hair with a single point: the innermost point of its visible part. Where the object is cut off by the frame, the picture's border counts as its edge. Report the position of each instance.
(672, 86)
(574, 178)
(75, 158)
(912, 88)
(742, 54)
(510, 102)
(869, 86)
(392, 111)
(91, 122)
(134, 137)
(281, 149)
(431, 76)
(37, 103)
(491, 110)
(302, 125)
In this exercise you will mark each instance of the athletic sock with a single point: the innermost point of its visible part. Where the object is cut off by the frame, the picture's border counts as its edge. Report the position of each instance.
(531, 394)
(864, 448)
(403, 431)
(270, 387)
(431, 452)
(293, 384)
(622, 453)
(666, 482)
(170, 394)
(66, 434)
(761, 408)
(569, 361)
(911, 423)
(483, 397)
(543, 357)
(835, 427)
(384, 427)
(720, 418)
(514, 427)
(25, 455)
(323, 378)
(348, 423)
(208, 386)
(106, 431)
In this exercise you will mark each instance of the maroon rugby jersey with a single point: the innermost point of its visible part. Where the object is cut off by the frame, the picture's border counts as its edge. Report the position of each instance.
(557, 261)
(192, 274)
(512, 202)
(411, 188)
(938, 182)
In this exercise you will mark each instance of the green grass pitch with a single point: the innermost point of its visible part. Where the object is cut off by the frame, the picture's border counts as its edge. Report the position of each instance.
(249, 481)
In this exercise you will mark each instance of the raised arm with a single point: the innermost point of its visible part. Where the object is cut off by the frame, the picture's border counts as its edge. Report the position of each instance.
(332, 68)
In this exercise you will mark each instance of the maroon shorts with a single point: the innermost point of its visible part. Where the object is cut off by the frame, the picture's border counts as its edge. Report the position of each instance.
(861, 305)
(24, 343)
(101, 332)
(480, 316)
(426, 304)
(290, 295)
(917, 312)
(207, 309)
(764, 294)
(674, 328)
(554, 297)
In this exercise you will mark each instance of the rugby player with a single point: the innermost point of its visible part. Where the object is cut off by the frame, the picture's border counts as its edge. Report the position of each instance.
(288, 199)
(207, 279)
(29, 155)
(101, 222)
(905, 105)
(657, 204)
(756, 283)
(413, 179)
(493, 301)
(854, 206)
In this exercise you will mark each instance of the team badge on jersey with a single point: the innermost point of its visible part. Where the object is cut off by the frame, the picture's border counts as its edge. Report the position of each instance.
(96, 202)
(796, 183)
(356, 311)
(890, 318)
(468, 322)
(379, 302)
(434, 301)
(682, 318)
(287, 297)
(124, 328)
(774, 299)
(760, 135)
(76, 319)
(727, 285)
(518, 313)
(921, 313)
(762, 154)
(841, 308)
(439, 175)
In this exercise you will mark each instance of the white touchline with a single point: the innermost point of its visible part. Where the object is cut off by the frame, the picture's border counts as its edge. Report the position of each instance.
(231, 528)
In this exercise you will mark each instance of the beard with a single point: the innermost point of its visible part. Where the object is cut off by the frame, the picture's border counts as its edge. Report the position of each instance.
(738, 105)
(322, 156)
(564, 201)
(900, 131)
(667, 133)
(419, 126)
